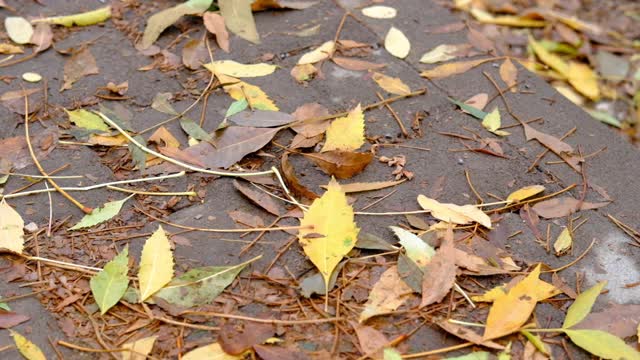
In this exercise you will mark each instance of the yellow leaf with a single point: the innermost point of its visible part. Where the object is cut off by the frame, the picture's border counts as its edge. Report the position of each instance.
(322, 52)
(507, 20)
(11, 225)
(391, 84)
(346, 133)
(140, 348)
(210, 352)
(156, 264)
(117, 140)
(380, 12)
(29, 350)
(238, 90)
(454, 68)
(509, 74)
(492, 122)
(581, 307)
(524, 193)
(563, 242)
(583, 79)
(236, 69)
(508, 313)
(569, 93)
(303, 72)
(601, 343)
(551, 60)
(396, 43)
(440, 53)
(386, 295)
(82, 19)
(453, 213)
(543, 292)
(333, 233)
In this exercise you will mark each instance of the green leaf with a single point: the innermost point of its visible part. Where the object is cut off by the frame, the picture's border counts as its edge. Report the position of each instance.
(601, 343)
(4, 306)
(417, 249)
(161, 20)
(536, 341)
(139, 157)
(200, 286)
(478, 355)
(582, 306)
(390, 353)
(475, 112)
(372, 242)
(236, 107)
(605, 117)
(161, 103)
(239, 19)
(87, 120)
(101, 215)
(109, 285)
(194, 130)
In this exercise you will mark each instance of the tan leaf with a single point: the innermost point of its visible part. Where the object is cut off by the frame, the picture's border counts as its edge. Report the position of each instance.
(525, 193)
(454, 68)
(440, 272)
(139, 348)
(454, 213)
(397, 43)
(386, 295)
(371, 341)
(341, 164)
(322, 52)
(509, 74)
(215, 24)
(391, 84)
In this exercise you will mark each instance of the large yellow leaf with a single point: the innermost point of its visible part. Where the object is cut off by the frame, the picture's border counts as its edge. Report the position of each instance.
(236, 69)
(542, 292)
(386, 295)
(453, 213)
(29, 350)
(333, 233)
(583, 79)
(391, 84)
(551, 60)
(140, 348)
(582, 306)
(507, 20)
(601, 343)
(524, 193)
(397, 43)
(508, 313)
(346, 133)
(239, 90)
(209, 352)
(322, 52)
(156, 264)
(11, 224)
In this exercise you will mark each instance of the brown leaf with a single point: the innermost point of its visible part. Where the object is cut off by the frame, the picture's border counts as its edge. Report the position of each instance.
(557, 146)
(164, 138)
(236, 338)
(16, 152)
(14, 100)
(81, 64)
(559, 283)
(261, 118)
(258, 197)
(532, 220)
(215, 24)
(356, 65)
(478, 101)
(42, 37)
(467, 334)
(366, 186)
(509, 74)
(564, 206)
(440, 272)
(272, 352)
(311, 111)
(246, 219)
(447, 28)
(479, 40)
(10, 319)
(619, 320)
(301, 141)
(341, 164)
(453, 68)
(182, 155)
(371, 340)
(194, 54)
(292, 180)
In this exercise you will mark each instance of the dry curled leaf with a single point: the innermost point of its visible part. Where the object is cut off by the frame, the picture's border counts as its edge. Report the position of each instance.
(440, 272)
(341, 164)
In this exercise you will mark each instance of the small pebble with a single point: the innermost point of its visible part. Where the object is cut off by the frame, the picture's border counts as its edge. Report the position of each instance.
(31, 77)
(460, 161)
(31, 227)
(198, 217)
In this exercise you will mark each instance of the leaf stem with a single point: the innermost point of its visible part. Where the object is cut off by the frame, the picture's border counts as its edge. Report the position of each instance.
(546, 330)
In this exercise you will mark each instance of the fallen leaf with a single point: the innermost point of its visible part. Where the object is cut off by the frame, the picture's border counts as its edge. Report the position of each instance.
(470, 109)
(492, 122)
(509, 312)
(320, 53)
(42, 37)
(552, 60)
(310, 111)
(442, 52)
(239, 19)
(258, 197)
(10, 319)
(332, 217)
(557, 146)
(9, 49)
(373, 242)
(194, 54)
(161, 20)
(582, 305)
(11, 225)
(15, 150)
(245, 219)
(367, 186)
(415, 248)
(261, 118)
(371, 341)
(583, 79)
(564, 206)
(602, 344)
(109, 285)
(212, 351)
(164, 138)
(454, 213)
(236, 69)
(82, 19)
(542, 292)
(346, 133)
(139, 348)
(314, 284)
(271, 352)
(305, 72)
(19, 29)
(236, 107)
(604, 117)
(194, 130)
(100, 215)
(260, 5)
(619, 320)
(355, 64)
(156, 264)
(410, 273)
(390, 353)
(480, 41)
(440, 272)
(29, 350)
(563, 243)
(509, 74)
(87, 120)
(237, 339)
(200, 286)
(397, 43)
(387, 294)
(379, 12)
(215, 24)
(292, 181)
(506, 20)
(81, 64)
(391, 84)
(238, 90)
(341, 164)
(467, 334)
(454, 68)
(525, 193)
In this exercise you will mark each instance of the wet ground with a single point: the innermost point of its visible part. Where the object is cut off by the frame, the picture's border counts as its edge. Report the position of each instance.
(614, 169)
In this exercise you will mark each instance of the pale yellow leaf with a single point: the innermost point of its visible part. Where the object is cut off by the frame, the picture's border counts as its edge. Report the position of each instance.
(329, 231)
(602, 344)
(81, 19)
(397, 43)
(583, 79)
(525, 193)
(239, 18)
(322, 52)
(507, 20)
(563, 243)
(391, 84)
(19, 29)
(508, 313)
(492, 122)
(453, 213)
(140, 348)
(156, 264)
(236, 69)
(31, 77)
(551, 60)
(380, 12)
(440, 53)
(569, 93)
(209, 352)
(386, 295)
(11, 224)
(238, 90)
(346, 133)
(29, 350)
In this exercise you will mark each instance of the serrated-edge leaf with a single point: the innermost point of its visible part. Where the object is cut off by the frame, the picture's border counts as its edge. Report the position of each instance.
(417, 249)
(28, 349)
(156, 264)
(11, 228)
(581, 307)
(102, 214)
(346, 133)
(109, 285)
(601, 343)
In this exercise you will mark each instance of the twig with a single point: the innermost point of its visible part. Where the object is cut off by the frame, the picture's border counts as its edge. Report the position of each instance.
(62, 263)
(50, 212)
(186, 324)
(574, 261)
(17, 297)
(379, 200)
(44, 177)
(263, 321)
(92, 350)
(466, 174)
(464, 294)
(40, 180)
(437, 351)
(153, 193)
(395, 116)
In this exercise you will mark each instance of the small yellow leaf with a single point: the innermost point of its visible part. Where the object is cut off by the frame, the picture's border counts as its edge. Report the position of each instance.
(397, 43)
(453, 213)
(440, 53)
(239, 90)
(322, 52)
(379, 12)
(581, 307)
(210, 352)
(524, 193)
(569, 93)
(508, 313)
(563, 243)
(391, 84)
(386, 295)
(87, 120)
(507, 20)
(330, 231)
(236, 69)
(583, 79)
(304, 72)
(140, 348)
(156, 264)
(11, 224)
(551, 60)
(82, 19)
(29, 350)
(492, 122)
(346, 133)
